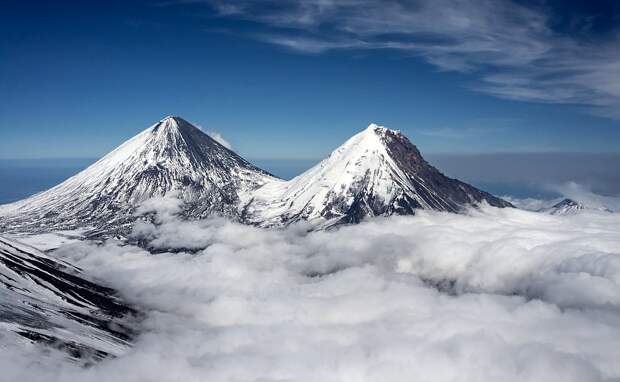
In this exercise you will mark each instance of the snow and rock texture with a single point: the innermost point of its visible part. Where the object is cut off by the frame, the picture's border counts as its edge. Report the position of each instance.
(43, 300)
(171, 155)
(377, 172)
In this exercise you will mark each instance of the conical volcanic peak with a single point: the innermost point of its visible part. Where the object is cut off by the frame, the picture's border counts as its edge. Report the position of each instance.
(171, 155)
(377, 172)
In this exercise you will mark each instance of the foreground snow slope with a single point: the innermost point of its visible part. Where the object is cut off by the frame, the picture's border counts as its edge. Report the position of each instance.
(44, 300)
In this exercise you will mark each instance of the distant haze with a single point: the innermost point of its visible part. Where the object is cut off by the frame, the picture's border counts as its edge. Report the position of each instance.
(517, 174)
(536, 171)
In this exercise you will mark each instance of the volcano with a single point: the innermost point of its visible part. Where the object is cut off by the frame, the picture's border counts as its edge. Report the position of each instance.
(171, 155)
(377, 172)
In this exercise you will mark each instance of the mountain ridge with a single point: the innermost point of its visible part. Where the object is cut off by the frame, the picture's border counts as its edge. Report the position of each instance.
(377, 172)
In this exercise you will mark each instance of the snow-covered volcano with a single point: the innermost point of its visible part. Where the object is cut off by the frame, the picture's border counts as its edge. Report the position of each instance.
(377, 172)
(172, 155)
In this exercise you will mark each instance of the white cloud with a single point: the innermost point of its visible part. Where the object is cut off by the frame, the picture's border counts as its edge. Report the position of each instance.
(216, 136)
(219, 138)
(510, 47)
(497, 295)
(531, 204)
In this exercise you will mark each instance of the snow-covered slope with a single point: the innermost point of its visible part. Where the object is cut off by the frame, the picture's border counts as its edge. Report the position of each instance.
(170, 155)
(376, 172)
(46, 301)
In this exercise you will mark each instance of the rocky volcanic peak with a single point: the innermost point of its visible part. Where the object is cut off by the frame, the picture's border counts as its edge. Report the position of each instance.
(377, 172)
(47, 301)
(171, 155)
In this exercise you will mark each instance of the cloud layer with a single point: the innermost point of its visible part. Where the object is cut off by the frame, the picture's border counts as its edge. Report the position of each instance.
(516, 51)
(497, 295)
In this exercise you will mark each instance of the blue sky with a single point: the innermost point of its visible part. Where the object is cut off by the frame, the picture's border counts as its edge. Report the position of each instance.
(294, 79)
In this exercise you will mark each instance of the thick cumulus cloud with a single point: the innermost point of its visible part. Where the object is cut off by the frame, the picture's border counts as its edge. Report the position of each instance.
(499, 294)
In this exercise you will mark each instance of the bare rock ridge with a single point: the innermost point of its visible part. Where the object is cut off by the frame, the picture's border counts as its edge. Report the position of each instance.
(377, 172)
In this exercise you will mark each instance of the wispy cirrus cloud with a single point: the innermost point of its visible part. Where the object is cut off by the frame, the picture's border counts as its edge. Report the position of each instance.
(514, 51)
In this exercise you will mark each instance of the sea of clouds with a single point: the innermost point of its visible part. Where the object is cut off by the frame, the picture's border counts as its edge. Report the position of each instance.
(494, 295)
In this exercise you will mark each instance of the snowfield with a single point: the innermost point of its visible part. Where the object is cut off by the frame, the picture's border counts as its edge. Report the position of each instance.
(493, 295)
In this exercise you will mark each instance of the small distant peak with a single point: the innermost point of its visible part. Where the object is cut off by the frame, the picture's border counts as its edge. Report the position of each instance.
(568, 201)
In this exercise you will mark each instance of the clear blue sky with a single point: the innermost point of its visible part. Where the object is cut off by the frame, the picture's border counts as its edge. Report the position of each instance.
(294, 79)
